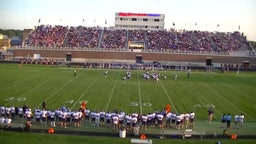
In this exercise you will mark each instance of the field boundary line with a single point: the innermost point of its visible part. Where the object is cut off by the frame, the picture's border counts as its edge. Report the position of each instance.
(85, 91)
(168, 96)
(222, 97)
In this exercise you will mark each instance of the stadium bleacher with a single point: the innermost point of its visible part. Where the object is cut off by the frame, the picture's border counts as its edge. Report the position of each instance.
(93, 37)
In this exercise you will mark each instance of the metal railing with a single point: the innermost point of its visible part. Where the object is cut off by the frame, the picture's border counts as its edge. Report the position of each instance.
(231, 53)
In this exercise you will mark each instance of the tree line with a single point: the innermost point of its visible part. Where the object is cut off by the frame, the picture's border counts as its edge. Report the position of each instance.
(11, 32)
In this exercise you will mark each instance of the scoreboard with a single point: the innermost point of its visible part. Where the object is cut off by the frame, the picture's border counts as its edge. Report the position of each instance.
(146, 21)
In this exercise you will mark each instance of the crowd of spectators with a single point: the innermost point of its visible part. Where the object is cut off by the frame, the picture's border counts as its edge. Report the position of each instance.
(47, 36)
(96, 37)
(82, 37)
(114, 38)
(137, 35)
(196, 41)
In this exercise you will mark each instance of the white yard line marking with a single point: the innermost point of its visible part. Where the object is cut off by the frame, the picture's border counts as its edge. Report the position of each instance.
(169, 97)
(34, 88)
(21, 82)
(223, 97)
(112, 92)
(192, 93)
(78, 99)
(50, 96)
(138, 80)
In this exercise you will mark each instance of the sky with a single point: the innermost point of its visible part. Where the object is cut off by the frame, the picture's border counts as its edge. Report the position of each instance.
(186, 14)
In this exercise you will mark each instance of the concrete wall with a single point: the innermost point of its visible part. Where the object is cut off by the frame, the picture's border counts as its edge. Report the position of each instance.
(131, 56)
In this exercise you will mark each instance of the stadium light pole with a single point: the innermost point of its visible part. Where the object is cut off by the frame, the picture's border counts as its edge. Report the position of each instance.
(83, 21)
(105, 23)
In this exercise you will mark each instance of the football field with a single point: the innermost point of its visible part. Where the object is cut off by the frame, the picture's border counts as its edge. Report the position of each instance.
(224, 92)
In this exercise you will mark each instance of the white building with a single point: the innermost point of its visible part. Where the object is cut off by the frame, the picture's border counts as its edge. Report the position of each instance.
(139, 21)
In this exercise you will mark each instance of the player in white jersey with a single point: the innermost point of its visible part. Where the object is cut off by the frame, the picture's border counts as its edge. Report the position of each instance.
(57, 116)
(135, 114)
(38, 115)
(115, 121)
(144, 119)
(108, 119)
(150, 120)
(92, 115)
(52, 118)
(80, 116)
(44, 117)
(62, 117)
(175, 76)
(241, 120)
(178, 121)
(20, 113)
(182, 120)
(134, 121)
(236, 120)
(28, 115)
(122, 112)
(191, 119)
(186, 120)
(74, 72)
(8, 121)
(87, 116)
(173, 119)
(2, 111)
(168, 119)
(8, 112)
(68, 117)
(12, 112)
(153, 115)
(106, 73)
(128, 120)
(189, 73)
(102, 117)
(76, 119)
(160, 118)
(97, 119)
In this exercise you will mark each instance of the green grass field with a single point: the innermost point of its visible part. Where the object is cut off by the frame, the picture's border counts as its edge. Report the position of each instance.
(225, 92)
(32, 84)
